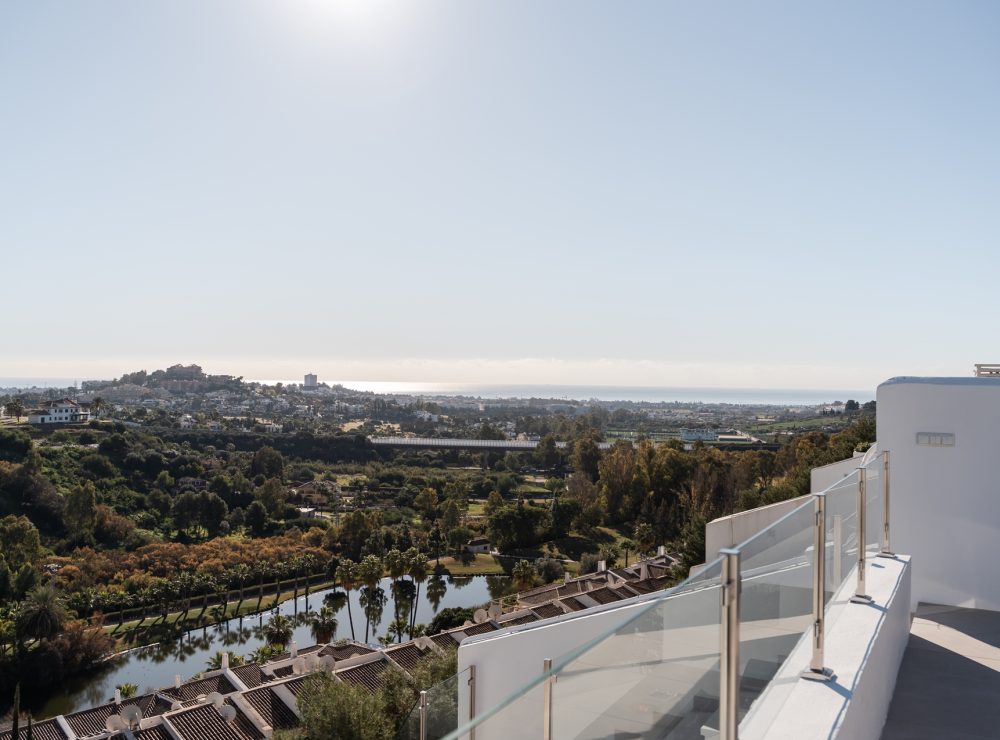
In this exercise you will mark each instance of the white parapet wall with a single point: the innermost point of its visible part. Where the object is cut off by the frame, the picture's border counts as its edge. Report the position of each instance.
(729, 531)
(943, 437)
(864, 647)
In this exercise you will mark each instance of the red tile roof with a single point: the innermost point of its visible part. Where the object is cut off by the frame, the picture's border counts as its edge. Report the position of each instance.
(271, 708)
(205, 723)
(369, 675)
(47, 730)
(193, 689)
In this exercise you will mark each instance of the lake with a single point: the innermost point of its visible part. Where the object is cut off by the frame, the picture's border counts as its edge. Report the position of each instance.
(154, 667)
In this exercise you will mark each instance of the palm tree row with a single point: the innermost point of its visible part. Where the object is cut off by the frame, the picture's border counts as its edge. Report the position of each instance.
(186, 586)
(367, 575)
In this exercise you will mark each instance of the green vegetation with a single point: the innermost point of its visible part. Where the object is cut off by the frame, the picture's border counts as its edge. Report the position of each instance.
(114, 533)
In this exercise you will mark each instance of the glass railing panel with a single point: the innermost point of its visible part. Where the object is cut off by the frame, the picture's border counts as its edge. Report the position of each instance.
(657, 675)
(661, 655)
(841, 532)
(874, 505)
(442, 710)
(776, 598)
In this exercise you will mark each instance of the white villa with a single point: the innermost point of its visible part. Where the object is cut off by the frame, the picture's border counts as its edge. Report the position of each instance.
(63, 411)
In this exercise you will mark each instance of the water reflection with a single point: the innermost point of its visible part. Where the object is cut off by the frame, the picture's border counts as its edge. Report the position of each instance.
(188, 653)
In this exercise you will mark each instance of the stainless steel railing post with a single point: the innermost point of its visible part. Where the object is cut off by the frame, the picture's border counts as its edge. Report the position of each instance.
(423, 715)
(860, 597)
(816, 670)
(472, 700)
(547, 701)
(886, 547)
(729, 645)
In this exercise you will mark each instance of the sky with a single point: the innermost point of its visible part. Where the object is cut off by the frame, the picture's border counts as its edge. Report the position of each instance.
(769, 194)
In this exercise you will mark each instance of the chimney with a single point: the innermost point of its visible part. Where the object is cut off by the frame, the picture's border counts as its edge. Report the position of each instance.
(294, 649)
(118, 696)
(602, 565)
(661, 551)
(225, 660)
(177, 680)
(643, 571)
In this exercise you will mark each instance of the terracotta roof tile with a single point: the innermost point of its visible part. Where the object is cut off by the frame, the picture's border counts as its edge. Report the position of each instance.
(523, 619)
(479, 629)
(369, 675)
(545, 611)
(271, 708)
(407, 655)
(250, 674)
(444, 640)
(346, 650)
(205, 723)
(47, 730)
(194, 689)
(157, 732)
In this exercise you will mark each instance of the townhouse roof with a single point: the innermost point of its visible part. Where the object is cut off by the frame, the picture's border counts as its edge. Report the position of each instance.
(205, 722)
(370, 675)
(93, 721)
(407, 655)
(47, 730)
(271, 708)
(250, 674)
(193, 689)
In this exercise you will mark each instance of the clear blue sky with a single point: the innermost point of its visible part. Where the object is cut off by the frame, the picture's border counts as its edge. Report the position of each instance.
(655, 193)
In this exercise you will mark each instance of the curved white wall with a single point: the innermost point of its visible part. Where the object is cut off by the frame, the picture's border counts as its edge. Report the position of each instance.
(945, 498)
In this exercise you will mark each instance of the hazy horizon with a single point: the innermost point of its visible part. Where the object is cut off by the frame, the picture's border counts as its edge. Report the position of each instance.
(668, 194)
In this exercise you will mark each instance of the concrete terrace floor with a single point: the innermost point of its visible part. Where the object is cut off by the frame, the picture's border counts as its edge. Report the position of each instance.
(948, 686)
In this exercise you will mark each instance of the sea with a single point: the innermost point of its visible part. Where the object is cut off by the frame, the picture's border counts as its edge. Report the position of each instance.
(652, 394)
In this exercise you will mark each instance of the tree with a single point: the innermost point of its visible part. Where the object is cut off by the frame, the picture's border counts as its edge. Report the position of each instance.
(586, 455)
(417, 570)
(42, 614)
(340, 709)
(524, 575)
(323, 624)
(347, 577)
(15, 408)
(81, 511)
(426, 503)
(369, 572)
(128, 690)
(645, 537)
(21, 543)
(268, 462)
(97, 405)
(547, 453)
(278, 630)
(272, 495)
(256, 518)
(851, 405)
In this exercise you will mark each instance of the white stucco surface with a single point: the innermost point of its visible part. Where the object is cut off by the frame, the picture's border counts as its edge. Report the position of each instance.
(864, 647)
(946, 497)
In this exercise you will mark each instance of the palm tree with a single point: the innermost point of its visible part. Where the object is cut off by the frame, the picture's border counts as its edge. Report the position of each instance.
(278, 630)
(417, 570)
(215, 662)
(205, 582)
(524, 575)
(347, 576)
(240, 574)
(436, 589)
(396, 629)
(128, 690)
(323, 624)
(42, 614)
(370, 573)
